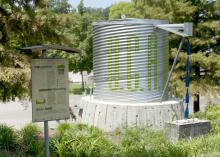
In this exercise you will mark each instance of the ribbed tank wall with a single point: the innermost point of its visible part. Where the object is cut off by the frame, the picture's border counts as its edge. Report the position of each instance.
(130, 60)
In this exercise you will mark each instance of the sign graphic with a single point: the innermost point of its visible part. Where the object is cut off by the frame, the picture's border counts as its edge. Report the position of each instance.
(50, 89)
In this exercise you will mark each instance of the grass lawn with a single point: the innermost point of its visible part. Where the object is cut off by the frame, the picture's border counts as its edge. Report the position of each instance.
(75, 88)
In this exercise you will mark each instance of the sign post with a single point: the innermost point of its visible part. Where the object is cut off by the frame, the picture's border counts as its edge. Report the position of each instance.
(50, 87)
(50, 93)
(46, 129)
(46, 139)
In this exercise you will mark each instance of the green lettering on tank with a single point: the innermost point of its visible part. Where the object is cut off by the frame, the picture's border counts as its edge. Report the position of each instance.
(116, 63)
(110, 63)
(129, 64)
(155, 62)
(136, 77)
(113, 84)
(149, 60)
(136, 81)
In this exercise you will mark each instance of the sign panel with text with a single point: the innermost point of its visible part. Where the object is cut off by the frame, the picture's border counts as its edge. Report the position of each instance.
(50, 89)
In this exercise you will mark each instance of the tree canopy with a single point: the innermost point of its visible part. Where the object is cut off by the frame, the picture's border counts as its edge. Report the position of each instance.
(124, 8)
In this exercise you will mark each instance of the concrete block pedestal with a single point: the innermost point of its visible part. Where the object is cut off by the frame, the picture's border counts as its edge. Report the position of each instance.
(186, 128)
(111, 115)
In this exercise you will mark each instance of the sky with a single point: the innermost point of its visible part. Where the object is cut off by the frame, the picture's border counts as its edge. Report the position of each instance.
(96, 3)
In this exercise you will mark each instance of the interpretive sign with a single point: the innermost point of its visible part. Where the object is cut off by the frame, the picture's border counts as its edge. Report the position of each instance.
(50, 89)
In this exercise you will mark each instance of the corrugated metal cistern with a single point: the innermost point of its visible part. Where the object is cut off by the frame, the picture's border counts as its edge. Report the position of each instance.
(130, 60)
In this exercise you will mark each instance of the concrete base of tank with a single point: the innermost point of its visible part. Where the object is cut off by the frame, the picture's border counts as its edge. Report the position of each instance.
(111, 115)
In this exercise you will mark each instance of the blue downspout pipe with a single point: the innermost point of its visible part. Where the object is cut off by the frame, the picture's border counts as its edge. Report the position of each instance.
(186, 114)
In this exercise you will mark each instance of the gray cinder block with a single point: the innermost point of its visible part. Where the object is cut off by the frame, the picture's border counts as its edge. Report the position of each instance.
(186, 128)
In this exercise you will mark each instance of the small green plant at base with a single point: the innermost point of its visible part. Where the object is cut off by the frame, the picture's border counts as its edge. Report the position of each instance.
(212, 113)
(8, 137)
(145, 142)
(213, 154)
(5, 153)
(30, 142)
(62, 128)
(82, 141)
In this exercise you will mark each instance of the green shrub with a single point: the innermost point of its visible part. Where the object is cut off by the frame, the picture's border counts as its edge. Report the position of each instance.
(212, 113)
(76, 88)
(30, 143)
(208, 144)
(6, 153)
(201, 146)
(212, 154)
(144, 142)
(8, 137)
(82, 141)
(62, 128)
(178, 150)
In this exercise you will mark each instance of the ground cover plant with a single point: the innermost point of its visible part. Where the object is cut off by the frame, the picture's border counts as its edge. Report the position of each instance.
(20, 143)
(78, 140)
(212, 113)
(76, 88)
(8, 137)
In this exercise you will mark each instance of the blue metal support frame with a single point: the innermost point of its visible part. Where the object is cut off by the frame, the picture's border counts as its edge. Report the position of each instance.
(186, 114)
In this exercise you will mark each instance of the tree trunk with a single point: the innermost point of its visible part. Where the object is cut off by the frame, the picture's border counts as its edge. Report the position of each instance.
(196, 107)
(4, 94)
(82, 80)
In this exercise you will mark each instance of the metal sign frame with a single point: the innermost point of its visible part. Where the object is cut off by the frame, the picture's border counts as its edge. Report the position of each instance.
(50, 89)
(42, 49)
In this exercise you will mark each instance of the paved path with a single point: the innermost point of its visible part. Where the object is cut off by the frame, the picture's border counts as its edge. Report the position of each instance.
(19, 113)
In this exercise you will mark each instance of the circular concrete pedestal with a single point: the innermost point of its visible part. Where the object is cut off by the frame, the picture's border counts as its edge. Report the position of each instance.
(111, 115)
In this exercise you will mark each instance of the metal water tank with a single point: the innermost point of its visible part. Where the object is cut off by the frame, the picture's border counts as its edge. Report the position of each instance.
(130, 60)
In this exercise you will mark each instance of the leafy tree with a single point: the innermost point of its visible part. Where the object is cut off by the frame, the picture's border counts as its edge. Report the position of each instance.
(81, 8)
(205, 49)
(98, 13)
(60, 6)
(23, 23)
(123, 8)
(80, 35)
(77, 32)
